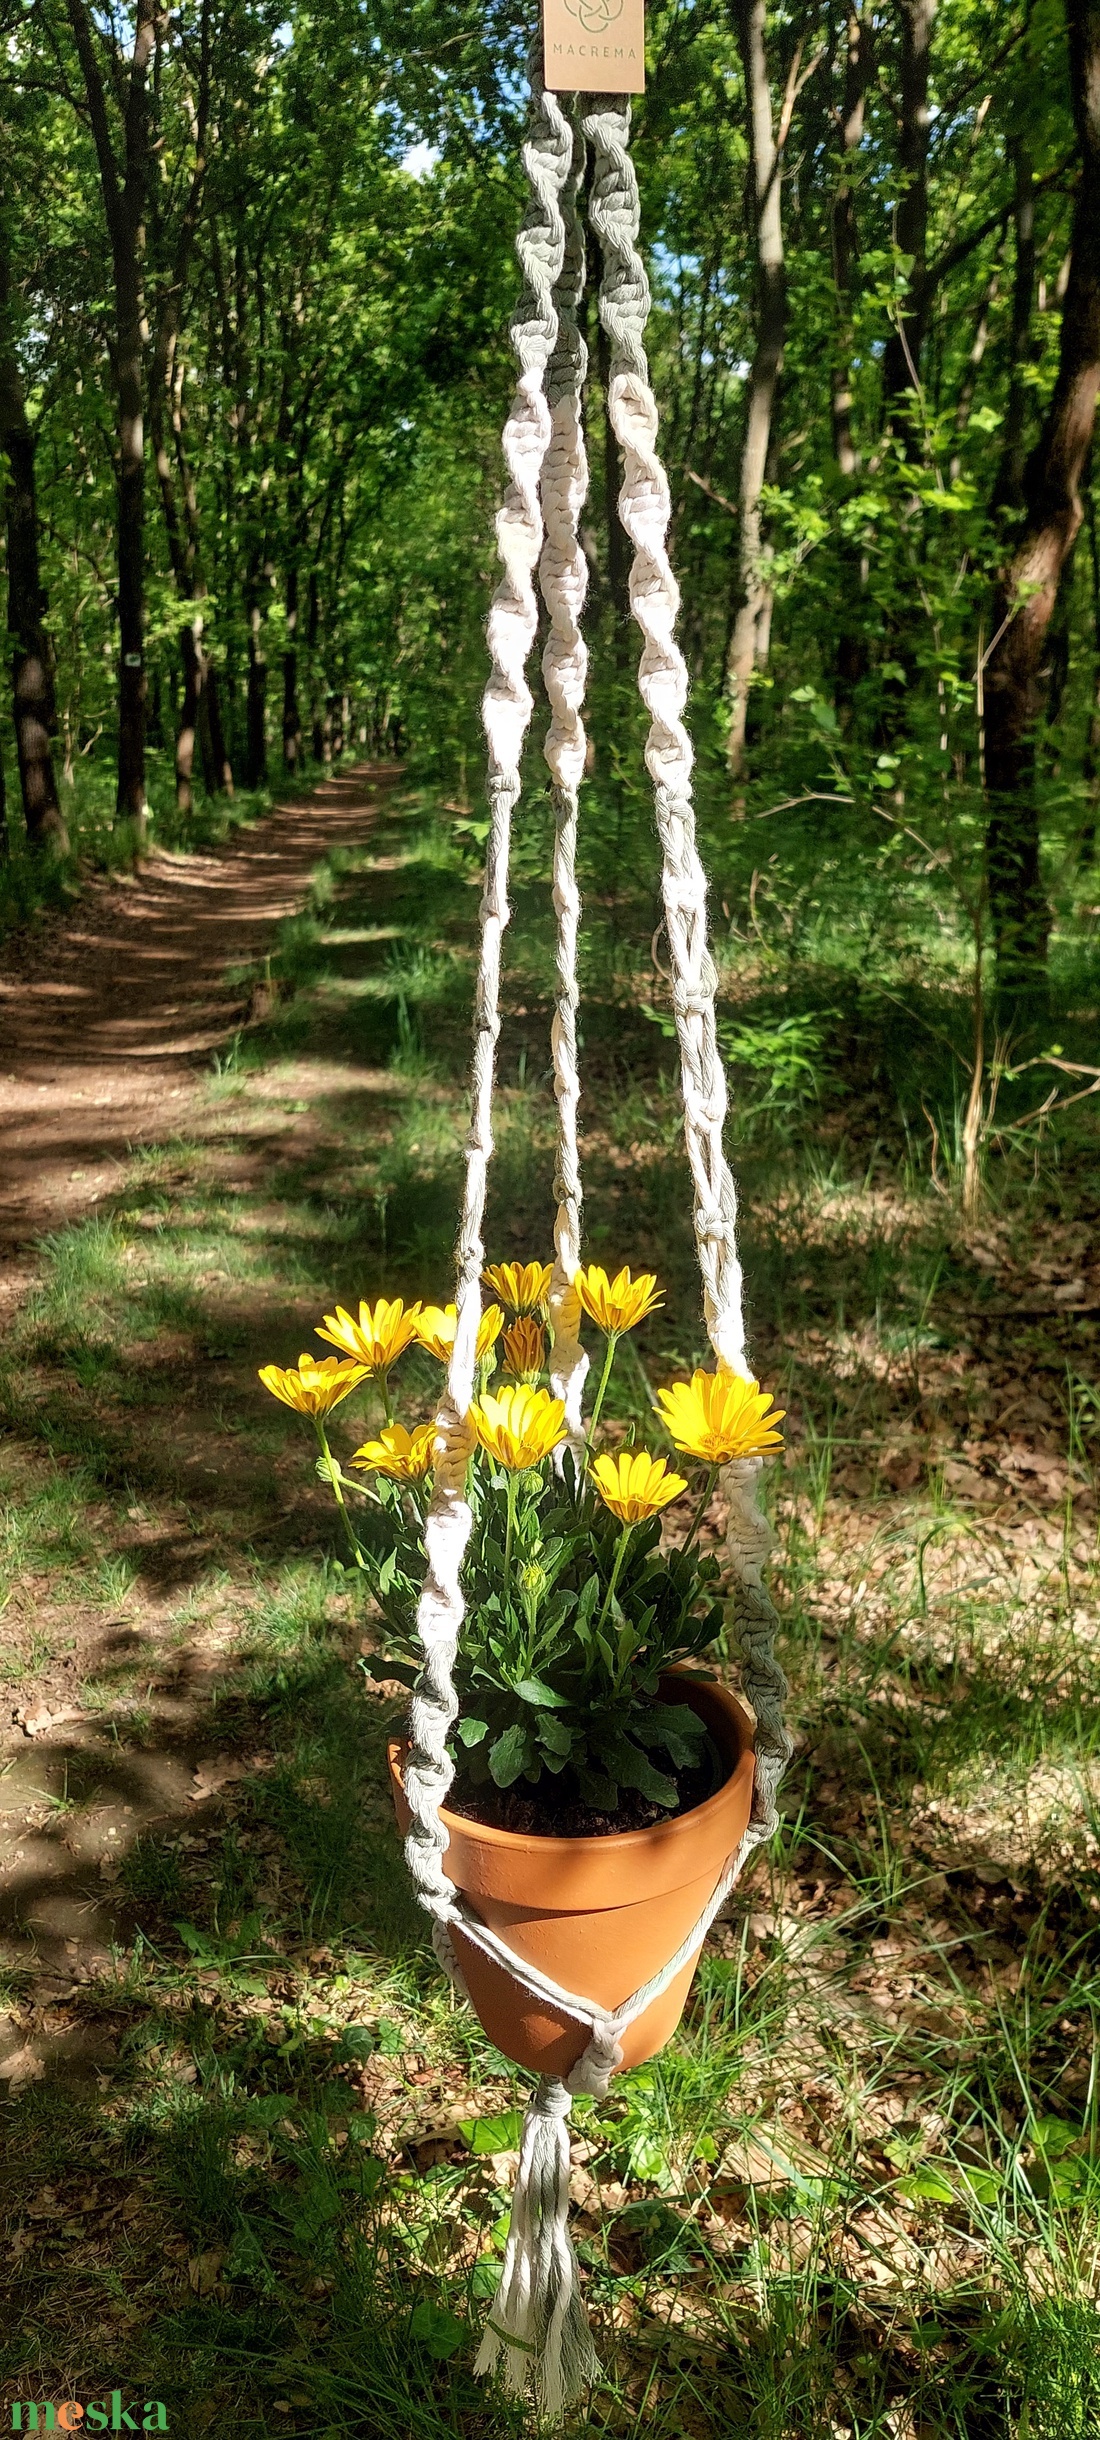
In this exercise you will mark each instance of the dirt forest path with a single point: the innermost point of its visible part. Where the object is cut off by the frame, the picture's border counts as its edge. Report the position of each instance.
(108, 1018)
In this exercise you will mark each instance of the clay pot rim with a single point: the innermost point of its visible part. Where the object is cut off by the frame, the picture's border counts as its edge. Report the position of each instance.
(613, 1843)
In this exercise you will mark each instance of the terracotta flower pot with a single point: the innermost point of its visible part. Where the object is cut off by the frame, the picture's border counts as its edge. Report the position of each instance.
(598, 1915)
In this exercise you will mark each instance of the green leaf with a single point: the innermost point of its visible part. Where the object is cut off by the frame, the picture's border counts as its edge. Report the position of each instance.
(1052, 2136)
(533, 1690)
(197, 1942)
(633, 1770)
(472, 1731)
(556, 1736)
(356, 2042)
(510, 1755)
(927, 2186)
(629, 1640)
(501, 2134)
(597, 1790)
(375, 1665)
(984, 2185)
(675, 1726)
(439, 2331)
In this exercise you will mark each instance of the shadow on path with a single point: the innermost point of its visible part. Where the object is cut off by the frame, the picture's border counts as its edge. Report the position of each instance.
(105, 1016)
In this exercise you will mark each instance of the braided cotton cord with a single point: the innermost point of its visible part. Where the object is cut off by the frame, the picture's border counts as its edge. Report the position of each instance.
(506, 711)
(662, 679)
(563, 577)
(537, 2319)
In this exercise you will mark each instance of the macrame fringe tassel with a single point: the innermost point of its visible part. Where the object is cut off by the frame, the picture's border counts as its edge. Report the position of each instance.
(537, 2320)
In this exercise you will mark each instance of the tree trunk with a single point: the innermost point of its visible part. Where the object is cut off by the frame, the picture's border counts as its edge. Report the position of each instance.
(902, 354)
(317, 735)
(217, 765)
(752, 623)
(32, 680)
(214, 727)
(292, 718)
(851, 647)
(1053, 513)
(1090, 767)
(131, 801)
(257, 690)
(1008, 491)
(166, 391)
(124, 201)
(183, 573)
(189, 720)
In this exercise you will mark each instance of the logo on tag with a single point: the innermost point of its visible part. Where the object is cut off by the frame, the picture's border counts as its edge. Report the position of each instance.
(594, 46)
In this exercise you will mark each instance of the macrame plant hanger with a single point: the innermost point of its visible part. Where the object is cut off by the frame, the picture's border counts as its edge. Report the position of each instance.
(536, 2322)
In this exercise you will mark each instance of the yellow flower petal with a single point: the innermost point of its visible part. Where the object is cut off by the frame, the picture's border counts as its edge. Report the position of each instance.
(381, 1334)
(404, 1456)
(314, 1386)
(520, 1426)
(635, 1485)
(521, 1286)
(717, 1417)
(616, 1304)
(524, 1348)
(437, 1324)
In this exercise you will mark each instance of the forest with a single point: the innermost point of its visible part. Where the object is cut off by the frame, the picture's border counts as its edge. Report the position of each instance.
(264, 274)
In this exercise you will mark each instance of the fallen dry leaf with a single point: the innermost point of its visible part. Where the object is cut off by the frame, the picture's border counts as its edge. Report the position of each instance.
(35, 1723)
(216, 1773)
(204, 2271)
(22, 2067)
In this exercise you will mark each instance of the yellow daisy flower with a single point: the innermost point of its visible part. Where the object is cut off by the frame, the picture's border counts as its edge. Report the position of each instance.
(314, 1386)
(381, 1334)
(522, 1286)
(717, 1416)
(520, 1426)
(437, 1324)
(405, 1456)
(616, 1304)
(525, 1348)
(636, 1486)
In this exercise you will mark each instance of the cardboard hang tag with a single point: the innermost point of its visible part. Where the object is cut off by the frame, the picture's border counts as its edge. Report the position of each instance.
(594, 46)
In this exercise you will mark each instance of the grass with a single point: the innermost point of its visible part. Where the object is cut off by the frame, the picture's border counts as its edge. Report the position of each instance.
(858, 2198)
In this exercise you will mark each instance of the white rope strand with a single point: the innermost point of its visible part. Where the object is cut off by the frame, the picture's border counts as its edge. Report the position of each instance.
(563, 577)
(662, 680)
(506, 711)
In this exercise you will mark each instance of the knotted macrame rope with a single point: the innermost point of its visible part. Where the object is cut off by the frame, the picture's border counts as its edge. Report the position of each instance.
(662, 679)
(563, 577)
(506, 711)
(537, 2320)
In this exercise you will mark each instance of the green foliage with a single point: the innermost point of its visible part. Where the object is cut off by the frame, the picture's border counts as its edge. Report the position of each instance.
(568, 1634)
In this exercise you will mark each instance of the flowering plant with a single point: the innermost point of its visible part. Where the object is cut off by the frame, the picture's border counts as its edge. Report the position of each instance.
(574, 1611)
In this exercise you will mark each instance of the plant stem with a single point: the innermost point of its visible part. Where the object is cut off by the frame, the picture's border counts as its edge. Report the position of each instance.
(704, 1504)
(508, 1532)
(333, 1472)
(620, 1555)
(605, 1377)
(383, 1380)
